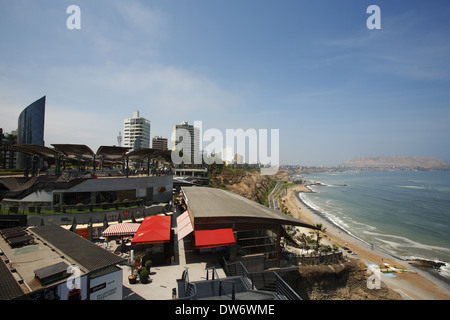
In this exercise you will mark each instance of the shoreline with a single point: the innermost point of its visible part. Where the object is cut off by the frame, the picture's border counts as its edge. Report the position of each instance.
(418, 283)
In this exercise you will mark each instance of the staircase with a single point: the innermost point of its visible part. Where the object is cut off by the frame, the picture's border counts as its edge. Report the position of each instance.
(237, 287)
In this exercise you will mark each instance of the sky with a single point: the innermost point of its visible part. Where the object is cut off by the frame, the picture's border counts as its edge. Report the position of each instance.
(334, 88)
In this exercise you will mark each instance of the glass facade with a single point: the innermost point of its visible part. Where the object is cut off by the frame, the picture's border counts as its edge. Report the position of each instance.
(30, 129)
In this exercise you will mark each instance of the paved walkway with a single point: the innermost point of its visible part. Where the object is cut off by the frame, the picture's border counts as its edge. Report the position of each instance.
(164, 278)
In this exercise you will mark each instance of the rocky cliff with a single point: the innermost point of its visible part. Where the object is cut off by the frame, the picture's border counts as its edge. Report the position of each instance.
(248, 183)
(344, 281)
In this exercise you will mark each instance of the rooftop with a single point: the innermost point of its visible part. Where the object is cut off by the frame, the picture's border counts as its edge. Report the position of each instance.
(84, 252)
(28, 268)
(222, 205)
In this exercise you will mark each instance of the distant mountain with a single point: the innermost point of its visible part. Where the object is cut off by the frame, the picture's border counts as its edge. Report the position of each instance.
(397, 162)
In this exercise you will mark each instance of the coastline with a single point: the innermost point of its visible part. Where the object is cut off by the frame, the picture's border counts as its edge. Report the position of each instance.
(417, 284)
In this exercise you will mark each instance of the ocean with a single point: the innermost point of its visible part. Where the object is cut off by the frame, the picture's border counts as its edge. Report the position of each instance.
(405, 213)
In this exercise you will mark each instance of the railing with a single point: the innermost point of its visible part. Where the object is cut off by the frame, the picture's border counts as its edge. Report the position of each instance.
(233, 288)
(238, 269)
(190, 290)
(269, 280)
(284, 289)
(214, 274)
(37, 208)
(316, 259)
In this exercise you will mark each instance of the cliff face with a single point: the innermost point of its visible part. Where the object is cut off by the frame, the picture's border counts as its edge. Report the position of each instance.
(345, 281)
(397, 162)
(248, 183)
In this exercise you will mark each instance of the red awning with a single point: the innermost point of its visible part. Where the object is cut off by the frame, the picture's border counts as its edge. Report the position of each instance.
(184, 225)
(121, 229)
(154, 229)
(214, 238)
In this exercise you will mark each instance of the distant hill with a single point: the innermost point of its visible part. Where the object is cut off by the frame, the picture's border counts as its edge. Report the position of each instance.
(397, 162)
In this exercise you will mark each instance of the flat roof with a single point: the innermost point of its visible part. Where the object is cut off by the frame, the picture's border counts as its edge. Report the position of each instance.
(84, 252)
(209, 204)
(51, 270)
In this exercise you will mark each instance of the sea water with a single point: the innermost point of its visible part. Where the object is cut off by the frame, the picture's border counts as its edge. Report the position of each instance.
(406, 213)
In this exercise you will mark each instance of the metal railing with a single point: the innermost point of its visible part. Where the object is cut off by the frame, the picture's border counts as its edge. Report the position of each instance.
(238, 269)
(268, 280)
(190, 290)
(233, 288)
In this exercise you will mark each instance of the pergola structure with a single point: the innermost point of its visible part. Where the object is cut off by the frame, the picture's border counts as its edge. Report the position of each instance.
(34, 151)
(149, 154)
(82, 153)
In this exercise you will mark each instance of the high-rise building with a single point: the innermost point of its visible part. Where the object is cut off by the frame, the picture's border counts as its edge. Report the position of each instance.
(30, 129)
(8, 157)
(189, 144)
(136, 132)
(159, 143)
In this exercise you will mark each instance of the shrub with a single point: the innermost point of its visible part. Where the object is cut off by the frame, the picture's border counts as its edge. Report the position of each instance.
(143, 273)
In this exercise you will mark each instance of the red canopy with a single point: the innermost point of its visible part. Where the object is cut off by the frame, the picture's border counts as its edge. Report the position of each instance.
(154, 229)
(214, 238)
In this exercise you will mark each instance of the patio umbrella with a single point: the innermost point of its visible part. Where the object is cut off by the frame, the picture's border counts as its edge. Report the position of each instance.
(121, 229)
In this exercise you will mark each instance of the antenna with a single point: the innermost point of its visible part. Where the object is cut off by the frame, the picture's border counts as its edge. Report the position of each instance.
(119, 139)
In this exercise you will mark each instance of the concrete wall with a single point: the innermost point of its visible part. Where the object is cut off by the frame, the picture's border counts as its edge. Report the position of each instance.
(97, 217)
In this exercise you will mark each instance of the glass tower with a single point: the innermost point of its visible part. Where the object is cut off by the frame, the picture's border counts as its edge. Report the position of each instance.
(30, 128)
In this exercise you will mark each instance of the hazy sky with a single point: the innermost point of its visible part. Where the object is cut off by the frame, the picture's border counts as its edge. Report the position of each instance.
(311, 69)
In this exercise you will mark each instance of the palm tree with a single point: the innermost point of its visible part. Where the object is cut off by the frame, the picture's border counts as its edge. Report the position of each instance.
(320, 229)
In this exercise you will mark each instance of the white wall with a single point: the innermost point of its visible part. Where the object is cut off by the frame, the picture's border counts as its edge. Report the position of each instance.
(107, 287)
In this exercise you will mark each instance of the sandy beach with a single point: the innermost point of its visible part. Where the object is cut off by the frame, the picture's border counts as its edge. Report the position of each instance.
(416, 284)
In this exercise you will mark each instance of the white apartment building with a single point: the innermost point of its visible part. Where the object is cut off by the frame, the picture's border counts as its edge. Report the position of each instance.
(136, 132)
(190, 146)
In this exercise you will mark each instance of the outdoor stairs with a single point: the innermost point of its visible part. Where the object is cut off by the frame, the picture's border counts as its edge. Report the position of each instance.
(241, 285)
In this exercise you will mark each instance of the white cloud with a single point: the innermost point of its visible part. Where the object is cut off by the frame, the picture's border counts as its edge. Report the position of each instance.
(142, 17)
(87, 105)
(168, 89)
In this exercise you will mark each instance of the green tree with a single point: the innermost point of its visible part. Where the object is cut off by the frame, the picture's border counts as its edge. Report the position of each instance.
(320, 230)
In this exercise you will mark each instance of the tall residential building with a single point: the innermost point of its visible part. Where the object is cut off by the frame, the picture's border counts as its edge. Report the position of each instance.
(7, 157)
(189, 145)
(159, 143)
(30, 129)
(136, 132)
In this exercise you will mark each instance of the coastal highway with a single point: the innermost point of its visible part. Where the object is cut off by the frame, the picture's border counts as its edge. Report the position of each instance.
(274, 191)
